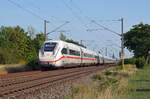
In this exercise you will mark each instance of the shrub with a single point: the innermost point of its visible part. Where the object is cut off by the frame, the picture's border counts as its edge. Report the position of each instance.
(117, 68)
(128, 61)
(140, 62)
(107, 82)
(112, 80)
(124, 74)
(34, 64)
(75, 90)
(6, 57)
(2, 58)
(96, 77)
(107, 72)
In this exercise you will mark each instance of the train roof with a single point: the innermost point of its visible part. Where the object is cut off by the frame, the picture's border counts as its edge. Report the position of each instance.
(100, 55)
(107, 57)
(72, 45)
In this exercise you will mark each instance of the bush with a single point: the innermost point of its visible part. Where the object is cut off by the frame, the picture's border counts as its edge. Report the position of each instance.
(107, 72)
(107, 82)
(96, 77)
(6, 57)
(34, 64)
(128, 61)
(2, 58)
(140, 62)
(75, 90)
(119, 67)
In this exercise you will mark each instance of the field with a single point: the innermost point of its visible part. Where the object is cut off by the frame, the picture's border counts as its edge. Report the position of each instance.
(130, 83)
(140, 84)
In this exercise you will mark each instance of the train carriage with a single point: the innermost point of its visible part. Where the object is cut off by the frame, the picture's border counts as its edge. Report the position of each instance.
(101, 59)
(88, 57)
(55, 53)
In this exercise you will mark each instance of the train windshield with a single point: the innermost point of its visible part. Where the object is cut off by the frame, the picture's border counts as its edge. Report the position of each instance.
(49, 46)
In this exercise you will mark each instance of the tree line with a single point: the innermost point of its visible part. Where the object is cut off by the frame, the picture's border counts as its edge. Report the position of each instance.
(20, 47)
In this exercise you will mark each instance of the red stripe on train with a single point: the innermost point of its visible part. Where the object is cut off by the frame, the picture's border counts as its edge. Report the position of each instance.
(69, 57)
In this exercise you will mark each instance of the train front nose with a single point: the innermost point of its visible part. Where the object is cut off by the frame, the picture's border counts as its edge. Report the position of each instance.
(47, 58)
(46, 55)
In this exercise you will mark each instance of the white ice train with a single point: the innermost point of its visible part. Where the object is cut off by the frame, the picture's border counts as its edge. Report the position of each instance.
(56, 53)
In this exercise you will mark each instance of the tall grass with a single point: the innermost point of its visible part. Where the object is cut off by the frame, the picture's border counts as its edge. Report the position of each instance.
(110, 84)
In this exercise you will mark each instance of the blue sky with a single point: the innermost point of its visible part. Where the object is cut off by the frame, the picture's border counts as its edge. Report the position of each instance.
(79, 13)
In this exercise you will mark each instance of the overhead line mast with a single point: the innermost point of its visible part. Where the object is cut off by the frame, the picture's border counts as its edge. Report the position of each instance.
(121, 35)
(122, 43)
(45, 34)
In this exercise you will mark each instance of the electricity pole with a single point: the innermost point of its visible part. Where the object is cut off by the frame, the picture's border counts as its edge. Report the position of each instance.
(121, 35)
(45, 34)
(122, 43)
(81, 42)
(106, 51)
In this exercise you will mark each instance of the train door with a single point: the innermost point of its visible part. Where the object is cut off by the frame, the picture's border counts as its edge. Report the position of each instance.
(64, 52)
(103, 61)
(98, 60)
(81, 56)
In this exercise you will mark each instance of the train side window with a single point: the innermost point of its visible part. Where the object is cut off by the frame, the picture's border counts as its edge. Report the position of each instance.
(64, 51)
(85, 54)
(88, 55)
(77, 53)
(74, 52)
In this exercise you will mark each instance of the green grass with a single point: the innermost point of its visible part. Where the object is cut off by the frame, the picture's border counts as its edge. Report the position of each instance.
(140, 84)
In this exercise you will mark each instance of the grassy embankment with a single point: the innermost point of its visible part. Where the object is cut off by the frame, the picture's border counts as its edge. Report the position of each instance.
(13, 68)
(115, 83)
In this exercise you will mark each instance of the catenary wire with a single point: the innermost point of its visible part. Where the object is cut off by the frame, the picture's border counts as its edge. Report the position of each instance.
(28, 11)
(74, 14)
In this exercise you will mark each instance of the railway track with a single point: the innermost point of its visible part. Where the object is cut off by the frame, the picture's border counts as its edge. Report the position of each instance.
(18, 83)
